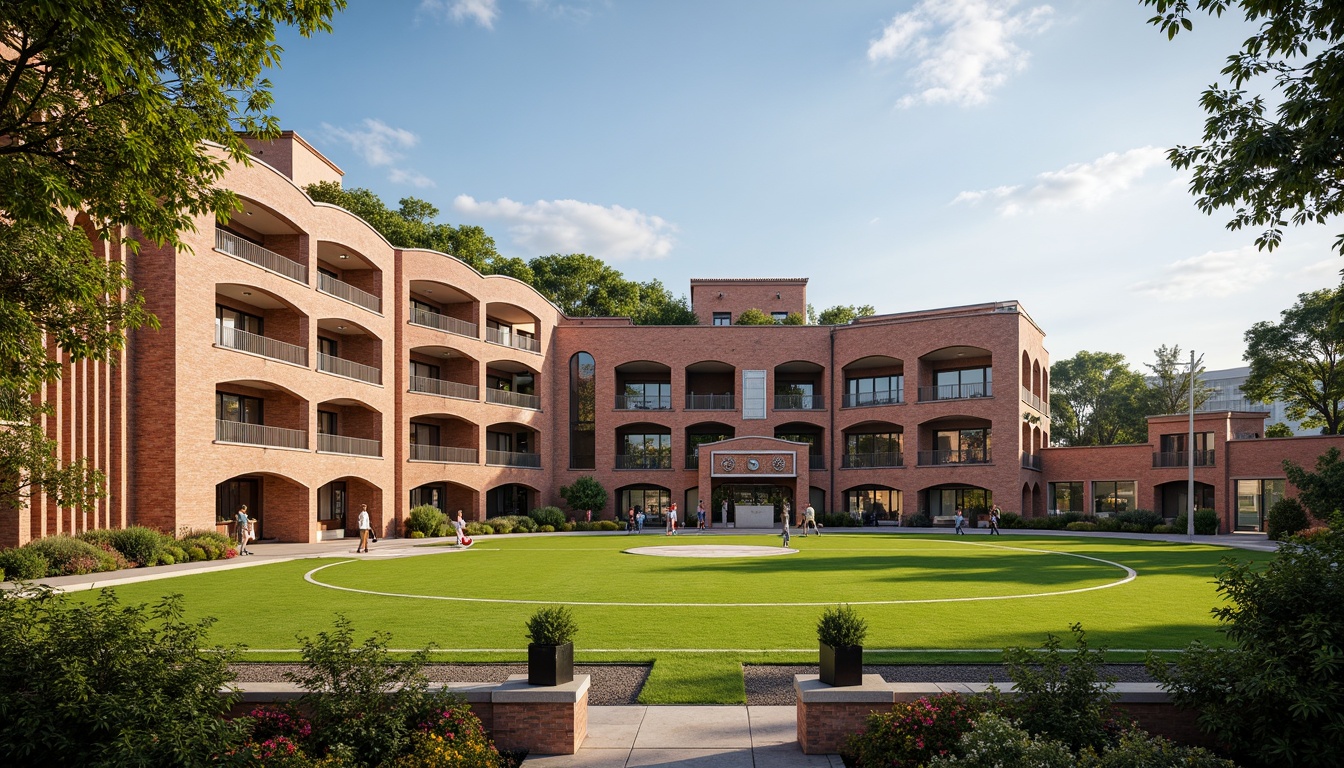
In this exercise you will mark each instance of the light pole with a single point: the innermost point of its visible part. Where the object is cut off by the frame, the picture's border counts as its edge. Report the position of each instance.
(1190, 456)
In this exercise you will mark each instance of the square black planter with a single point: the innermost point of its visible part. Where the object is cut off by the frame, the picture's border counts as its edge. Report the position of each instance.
(842, 666)
(550, 664)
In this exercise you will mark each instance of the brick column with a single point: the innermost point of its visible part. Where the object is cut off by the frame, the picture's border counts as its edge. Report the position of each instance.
(544, 720)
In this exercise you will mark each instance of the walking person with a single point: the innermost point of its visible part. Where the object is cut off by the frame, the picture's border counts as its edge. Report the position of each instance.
(723, 512)
(784, 531)
(959, 522)
(810, 520)
(994, 521)
(639, 520)
(700, 516)
(588, 516)
(630, 521)
(365, 529)
(787, 511)
(460, 526)
(671, 521)
(244, 529)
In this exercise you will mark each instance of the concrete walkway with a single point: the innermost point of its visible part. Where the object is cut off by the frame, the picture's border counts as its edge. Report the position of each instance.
(693, 737)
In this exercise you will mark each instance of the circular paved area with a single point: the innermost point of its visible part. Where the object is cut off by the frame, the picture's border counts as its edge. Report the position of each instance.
(711, 550)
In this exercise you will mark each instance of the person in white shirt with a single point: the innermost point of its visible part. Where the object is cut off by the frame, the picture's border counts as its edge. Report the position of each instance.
(244, 530)
(810, 520)
(364, 529)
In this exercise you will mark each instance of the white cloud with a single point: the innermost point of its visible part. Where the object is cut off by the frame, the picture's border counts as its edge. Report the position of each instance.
(1081, 185)
(482, 12)
(963, 49)
(1214, 274)
(414, 178)
(572, 226)
(381, 146)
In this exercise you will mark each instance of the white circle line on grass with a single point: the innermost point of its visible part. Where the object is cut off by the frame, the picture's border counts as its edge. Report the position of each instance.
(1130, 575)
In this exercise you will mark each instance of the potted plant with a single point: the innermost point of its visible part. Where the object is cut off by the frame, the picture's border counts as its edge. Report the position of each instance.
(550, 652)
(841, 633)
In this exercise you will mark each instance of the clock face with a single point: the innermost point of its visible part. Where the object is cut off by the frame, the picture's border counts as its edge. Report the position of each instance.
(753, 464)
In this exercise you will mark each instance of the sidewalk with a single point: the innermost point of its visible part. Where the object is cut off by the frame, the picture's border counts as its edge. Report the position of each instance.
(693, 737)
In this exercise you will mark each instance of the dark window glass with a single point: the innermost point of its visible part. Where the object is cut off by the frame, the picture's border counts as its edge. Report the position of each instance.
(723, 318)
(582, 411)
(240, 408)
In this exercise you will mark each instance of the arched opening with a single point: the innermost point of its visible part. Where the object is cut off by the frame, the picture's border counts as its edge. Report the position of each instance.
(444, 371)
(582, 411)
(643, 385)
(278, 506)
(873, 503)
(943, 501)
(1173, 498)
(873, 445)
(448, 498)
(803, 432)
(956, 373)
(443, 307)
(643, 446)
(259, 234)
(702, 433)
(874, 380)
(249, 319)
(511, 383)
(348, 275)
(955, 440)
(250, 412)
(444, 438)
(509, 499)
(345, 348)
(339, 503)
(349, 427)
(710, 386)
(1037, 501)
(644, 498)
(510, 325)
(1036, 378)
(1026, 370)
(799, 386)
(512, 445)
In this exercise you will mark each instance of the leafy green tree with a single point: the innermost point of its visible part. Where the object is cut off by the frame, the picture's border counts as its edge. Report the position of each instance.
(104, 684)
(1063, 695)
(585, 493)
(1322, 491)
(794, 318)
(1301, 362)
(844, 314)
(1169, 385)
(1278, 429)
(584, 286)
(1271, 157)
(1097, 399)
(1276, 695)
(120, 119)
(657, 306)
(754, 316)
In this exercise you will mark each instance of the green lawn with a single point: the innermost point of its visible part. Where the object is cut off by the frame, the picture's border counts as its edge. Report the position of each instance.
(699, 642)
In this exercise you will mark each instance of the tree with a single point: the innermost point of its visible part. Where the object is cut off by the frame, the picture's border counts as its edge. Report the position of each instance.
(115, 119)
(844, 314)
(585, 493)
(1097, 399)
(1278, 429)
(754, 316)
(1322, 491)
(1301, 362)
(794, 318)
(1277, 694)
(657, 306)
(1169, 387)
(1271, 169)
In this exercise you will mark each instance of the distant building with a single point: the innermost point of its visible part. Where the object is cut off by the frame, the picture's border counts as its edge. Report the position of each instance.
(1228, 396)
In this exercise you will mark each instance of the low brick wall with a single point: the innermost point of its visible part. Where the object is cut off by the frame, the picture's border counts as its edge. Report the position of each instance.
(543, 720)
(827, 715)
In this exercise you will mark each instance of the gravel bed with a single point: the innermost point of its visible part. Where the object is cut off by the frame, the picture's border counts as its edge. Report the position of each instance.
(769, 684)
(612, 685)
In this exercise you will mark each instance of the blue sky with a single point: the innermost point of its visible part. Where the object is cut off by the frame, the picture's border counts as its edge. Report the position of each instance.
(908, 155)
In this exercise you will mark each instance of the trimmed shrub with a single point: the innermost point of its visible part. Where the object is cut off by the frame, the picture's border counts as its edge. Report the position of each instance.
(995, 742)
(68, 556)
(1138, 749)
(547, 529)
(501, 525)
(524, 525)
(1163, 528)
(114, 560)
(177, 552)
(1081, 526)
(913, 732)
(608, 525)
(166, 559)
(551, 516)
(195, 554)
(919, 520)
(1063, 695)
(97, 536)
(479, 529)
(1010, 520)
(1109, 524)
(23, 564)
(417, 535)
(1285, 518)
(425, 520)
(567, 527)
(1206, 522)
(838, 520)
(1142, 520)
(139, 544)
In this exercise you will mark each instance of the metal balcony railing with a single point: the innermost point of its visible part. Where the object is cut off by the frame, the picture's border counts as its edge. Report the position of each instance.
(865, 399)
(1182, 459)
(799, 403)
(870, 460)
(443, 388)
(443, 323)
(353, 446)
(443, 454)
(259, 434)
(635, 461)
(816, 461)
(349, 368)
(692, 461)
(347, 292)
(643, 402)
(1030, 461)
(970, 456)
(515, 399)
(1030, 398)
(696, 402)
(956, 391)
(233, 245)
(243, 341)
(513, 459)
(512, 339)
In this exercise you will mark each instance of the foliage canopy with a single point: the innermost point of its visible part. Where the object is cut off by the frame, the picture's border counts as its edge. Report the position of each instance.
(1300, 361)
(1097, 399)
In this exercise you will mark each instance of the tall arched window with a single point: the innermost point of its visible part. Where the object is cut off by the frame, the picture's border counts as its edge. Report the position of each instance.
(582, 409)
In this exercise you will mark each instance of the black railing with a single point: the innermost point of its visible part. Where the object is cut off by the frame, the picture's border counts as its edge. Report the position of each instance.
(799, 402)
(633, 461)
(969, 456)
(696, 402)
(692, 461)
(870, 460)
(1031, 462)
(1182, 459)
(956, 391)
(864, 399)
(643, 402)
(816, 461)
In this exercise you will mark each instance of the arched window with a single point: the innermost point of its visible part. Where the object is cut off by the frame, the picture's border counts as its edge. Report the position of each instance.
(582, 410)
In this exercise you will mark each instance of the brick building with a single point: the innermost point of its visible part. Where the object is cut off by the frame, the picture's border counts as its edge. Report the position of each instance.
(306, 367)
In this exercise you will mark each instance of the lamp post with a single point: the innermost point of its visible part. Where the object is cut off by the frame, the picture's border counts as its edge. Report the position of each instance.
(1190, 456)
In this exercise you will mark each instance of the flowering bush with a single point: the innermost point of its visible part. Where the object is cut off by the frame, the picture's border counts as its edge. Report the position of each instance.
(451, 738)
(913, 733)
(996, 741)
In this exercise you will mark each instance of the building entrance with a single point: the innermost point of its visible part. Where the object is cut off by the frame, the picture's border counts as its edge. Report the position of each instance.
(759, 505)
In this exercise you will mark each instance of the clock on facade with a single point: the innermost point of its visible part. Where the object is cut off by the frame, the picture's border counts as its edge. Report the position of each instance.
(753, 464)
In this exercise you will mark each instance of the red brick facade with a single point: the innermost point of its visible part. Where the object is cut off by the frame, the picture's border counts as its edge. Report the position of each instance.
(283, 373)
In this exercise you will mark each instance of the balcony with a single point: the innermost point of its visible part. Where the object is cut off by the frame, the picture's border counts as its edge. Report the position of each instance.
(259, 434)
(443, 323)
(512, 339)
(443, 454)
(696, 402)
(635, 461)
(956, 391)
(349, 369)
(799, 403)
(866, 399)
(870, 460)
(1030, 398)
(1182, 459)
(693, 461)
(349, 446)
(443, 388)
(515, 399)
(232, 338)
(643, 402)
(969, 456)
(347, 292)
(513, 459)
(233, 245)
(816, 461)
(1030, 461)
